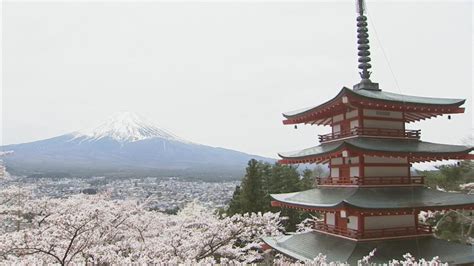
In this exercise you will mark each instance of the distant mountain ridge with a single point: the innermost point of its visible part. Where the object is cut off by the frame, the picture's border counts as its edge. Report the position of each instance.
(125, 145)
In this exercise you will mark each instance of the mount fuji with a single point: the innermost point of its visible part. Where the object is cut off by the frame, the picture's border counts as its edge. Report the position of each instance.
(123, 146)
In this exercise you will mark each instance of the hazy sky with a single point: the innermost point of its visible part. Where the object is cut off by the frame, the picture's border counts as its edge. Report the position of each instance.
(222, 73)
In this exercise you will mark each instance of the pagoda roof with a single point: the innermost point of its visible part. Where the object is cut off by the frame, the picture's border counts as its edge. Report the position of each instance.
(417, 150)
(307, 246)
(416, 107)
(375, 198)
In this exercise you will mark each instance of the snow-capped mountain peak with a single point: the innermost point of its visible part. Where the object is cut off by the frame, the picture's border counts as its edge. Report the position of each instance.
(126, 127)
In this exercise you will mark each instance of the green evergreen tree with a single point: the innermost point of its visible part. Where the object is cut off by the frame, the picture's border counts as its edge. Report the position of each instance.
(263, 179)
(307, 180)
(251, 194)
(449, 177)
(234, 204)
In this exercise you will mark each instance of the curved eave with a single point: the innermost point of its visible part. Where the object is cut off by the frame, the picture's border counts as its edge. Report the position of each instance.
(324, 207)
(322, 110)
(330, 151)
(273, 243)
(370, 199)
(307, 246)
(416, 108)
(281, 198)
(418, 151)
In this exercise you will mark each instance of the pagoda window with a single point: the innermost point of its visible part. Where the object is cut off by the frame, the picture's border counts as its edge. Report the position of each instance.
(388, 221)
(336, 128)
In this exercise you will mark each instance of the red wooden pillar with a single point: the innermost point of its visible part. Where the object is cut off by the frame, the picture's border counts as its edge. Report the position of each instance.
(409, 170)
(361, 168)
(360, 114)
(403, 118)
(330, 170)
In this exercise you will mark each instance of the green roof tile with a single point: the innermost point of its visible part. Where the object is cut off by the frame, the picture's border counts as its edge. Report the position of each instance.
(307, 246)
(381, 145)
(382, 96)
(375, 198)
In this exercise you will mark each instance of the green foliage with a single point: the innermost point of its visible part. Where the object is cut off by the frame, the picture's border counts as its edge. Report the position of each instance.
(455, 226)
(452, 225)
(263, 179)
(449, 177)
(251, 194)
(307, 180)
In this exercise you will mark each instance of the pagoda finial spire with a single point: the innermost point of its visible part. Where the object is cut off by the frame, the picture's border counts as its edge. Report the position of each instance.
(364, 53)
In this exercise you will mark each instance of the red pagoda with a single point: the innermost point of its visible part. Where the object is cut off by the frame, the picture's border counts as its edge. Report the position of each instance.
(371, 199)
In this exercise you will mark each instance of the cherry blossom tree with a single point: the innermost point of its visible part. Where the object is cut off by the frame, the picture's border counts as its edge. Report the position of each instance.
(13, 203)
(95, 229)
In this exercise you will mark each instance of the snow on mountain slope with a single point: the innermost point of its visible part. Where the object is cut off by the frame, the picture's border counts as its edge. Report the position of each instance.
(125, 146)
(126, 127)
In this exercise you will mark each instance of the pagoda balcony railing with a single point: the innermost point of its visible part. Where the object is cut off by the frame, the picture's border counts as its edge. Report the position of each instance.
(372, 181)
(369, 131)
(421, 229)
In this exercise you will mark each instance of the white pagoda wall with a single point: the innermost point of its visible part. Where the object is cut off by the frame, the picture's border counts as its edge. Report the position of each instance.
(389, 221)
(381, 171)
(352, 114)
(377, 123)
(371, 119)
(353, 222)
(337, 162)
(376, 159)
(354, 171)
(383, 114)
(368, 123)
(330, 218)
(354, 123)
(386, 170)
(334, 163)
(337, 118)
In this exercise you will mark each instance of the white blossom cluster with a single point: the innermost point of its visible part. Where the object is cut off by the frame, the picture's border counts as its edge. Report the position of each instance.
(94, 229)
(321, 260)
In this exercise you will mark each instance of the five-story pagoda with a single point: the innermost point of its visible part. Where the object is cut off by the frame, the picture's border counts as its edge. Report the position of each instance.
(371, 199)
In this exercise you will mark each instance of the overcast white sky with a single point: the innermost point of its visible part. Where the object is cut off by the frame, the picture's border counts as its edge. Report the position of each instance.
(222, 73)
